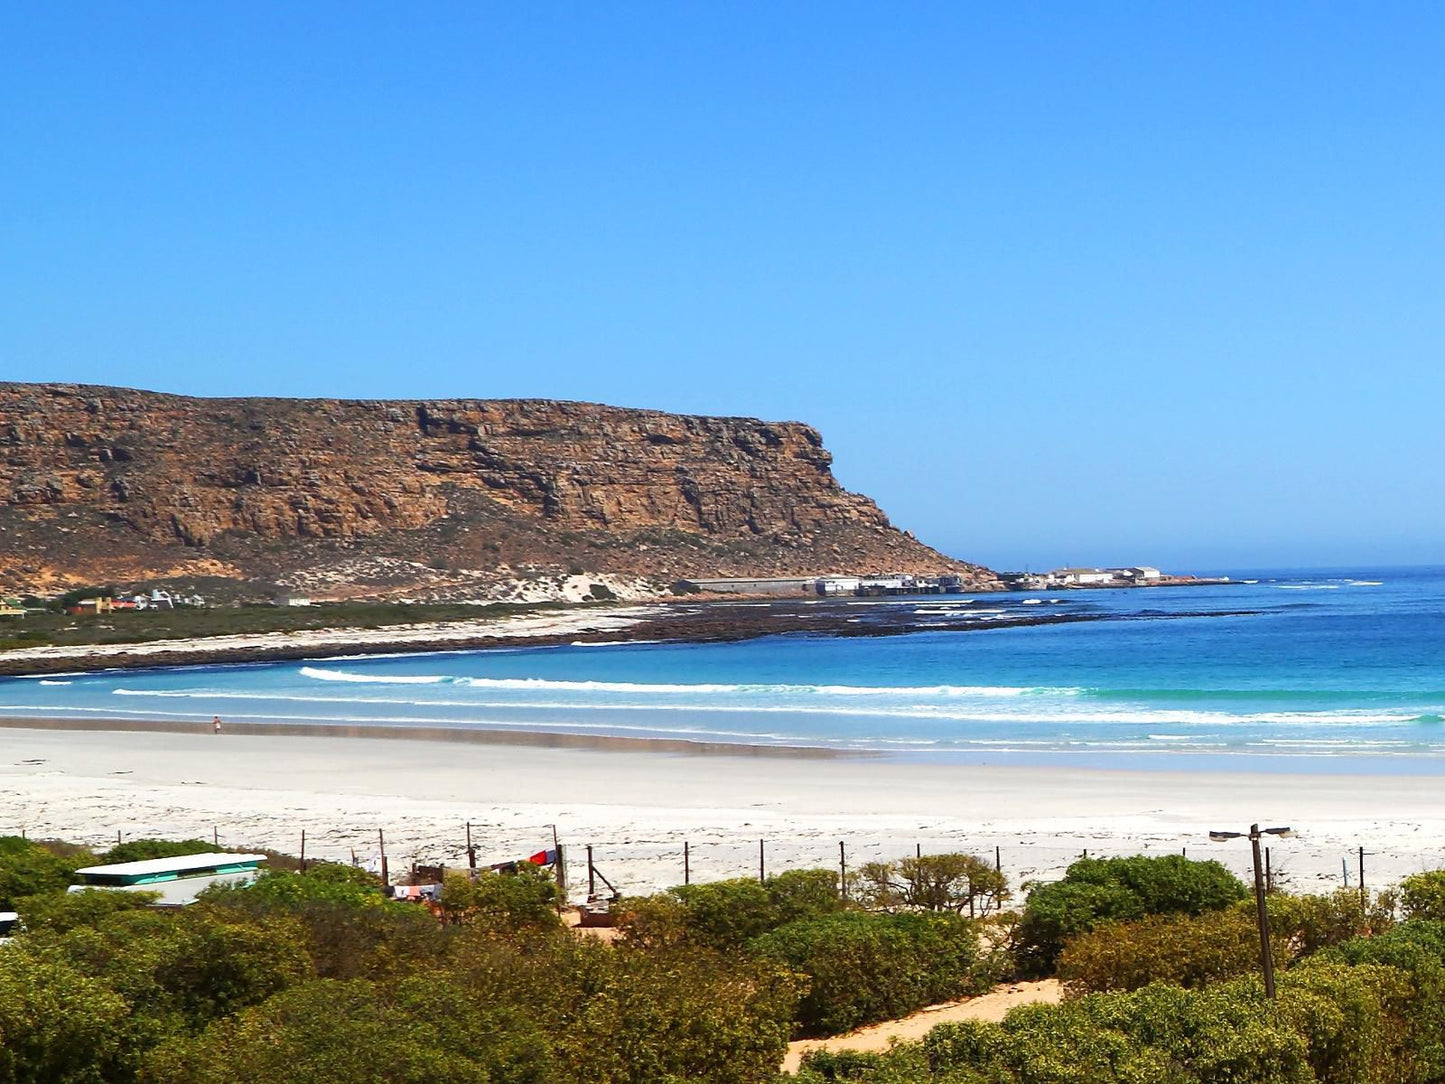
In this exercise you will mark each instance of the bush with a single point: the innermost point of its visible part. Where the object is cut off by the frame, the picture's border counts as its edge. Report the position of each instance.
(862, 967)
(28, 868)
(325, 882)
(1156, 1035)
(1422, 895)
(1096, 890)
(1309, 923)
(932, 882)
(144, 850)
(512, 902)
(1417, 949)
(726, 914)
(1186, 950)
(63, 911)
(57, 1024)
(327, 1031)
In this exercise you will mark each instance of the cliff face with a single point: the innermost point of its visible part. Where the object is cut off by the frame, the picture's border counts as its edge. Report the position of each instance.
(387, 497)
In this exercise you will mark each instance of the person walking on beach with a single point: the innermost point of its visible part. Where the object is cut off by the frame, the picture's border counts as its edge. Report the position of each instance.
(216, 725)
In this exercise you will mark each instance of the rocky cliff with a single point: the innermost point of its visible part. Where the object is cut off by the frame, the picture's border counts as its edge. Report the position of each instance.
(455, 498)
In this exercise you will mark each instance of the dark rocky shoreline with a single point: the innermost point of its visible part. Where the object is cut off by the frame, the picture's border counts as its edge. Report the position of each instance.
(692, 622)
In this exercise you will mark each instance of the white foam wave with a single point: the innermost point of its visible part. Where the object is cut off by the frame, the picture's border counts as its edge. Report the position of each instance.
(49, 681)
(1026, 713)
(370, 679)
(709, 688)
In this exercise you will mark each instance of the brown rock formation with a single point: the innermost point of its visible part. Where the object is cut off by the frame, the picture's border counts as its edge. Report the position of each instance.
(390, 497)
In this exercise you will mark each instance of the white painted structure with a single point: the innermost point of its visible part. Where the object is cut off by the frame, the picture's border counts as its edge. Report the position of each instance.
(177, 880)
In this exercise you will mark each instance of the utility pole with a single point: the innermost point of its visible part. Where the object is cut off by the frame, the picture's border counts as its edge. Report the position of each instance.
(561, 871)
(1266, 959)
(1363, 904)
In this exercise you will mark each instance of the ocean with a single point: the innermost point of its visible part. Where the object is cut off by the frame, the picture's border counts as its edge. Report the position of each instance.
(1323, 671)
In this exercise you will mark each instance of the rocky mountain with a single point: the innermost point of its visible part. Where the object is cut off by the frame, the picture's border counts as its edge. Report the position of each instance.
(455, 498)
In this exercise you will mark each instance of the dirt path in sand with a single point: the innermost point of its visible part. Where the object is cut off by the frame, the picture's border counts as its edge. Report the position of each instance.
(878, 1037)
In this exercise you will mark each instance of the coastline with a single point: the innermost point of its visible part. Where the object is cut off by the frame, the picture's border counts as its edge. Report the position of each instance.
(467, 734)
(706, 621)
(637, 804)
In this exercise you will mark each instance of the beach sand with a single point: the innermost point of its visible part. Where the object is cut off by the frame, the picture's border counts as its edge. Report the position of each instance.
(637, 804)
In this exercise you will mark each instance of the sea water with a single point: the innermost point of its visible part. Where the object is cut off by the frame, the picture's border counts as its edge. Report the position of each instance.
(1331, 671)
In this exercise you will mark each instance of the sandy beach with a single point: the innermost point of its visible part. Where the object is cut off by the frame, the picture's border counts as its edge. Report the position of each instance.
(637, 804)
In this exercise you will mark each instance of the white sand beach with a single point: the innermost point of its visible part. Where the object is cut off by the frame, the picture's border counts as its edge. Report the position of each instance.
(637, 806)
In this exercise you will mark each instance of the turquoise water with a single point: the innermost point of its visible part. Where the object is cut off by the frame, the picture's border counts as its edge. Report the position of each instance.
(1326, 670)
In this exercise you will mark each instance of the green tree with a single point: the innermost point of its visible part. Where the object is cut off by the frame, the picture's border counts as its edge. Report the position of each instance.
(932, 882)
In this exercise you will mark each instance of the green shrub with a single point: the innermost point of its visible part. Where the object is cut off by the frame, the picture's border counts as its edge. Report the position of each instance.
(325, 882)
(1155, 1035)
(1096, 890)
(28, 868)
(1355, 1021)
(1422, 895)
(507, 902)
(1185, 950)
(864, 967)
(726, 914)
(1309, 923)
(62, 911)
(144, 850)
(327, 1031)
(57, 1024)
(1417, 949)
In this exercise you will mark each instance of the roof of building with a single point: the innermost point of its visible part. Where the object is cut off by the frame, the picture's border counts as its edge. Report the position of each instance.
(183, 863)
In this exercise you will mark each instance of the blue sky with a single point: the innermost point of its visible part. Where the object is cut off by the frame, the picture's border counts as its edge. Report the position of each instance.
(1085, 283)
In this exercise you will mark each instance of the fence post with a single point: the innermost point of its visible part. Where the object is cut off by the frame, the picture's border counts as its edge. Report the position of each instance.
(385, 872)
(843, 869)
(686, 864)
(762, 875)
(591, 874)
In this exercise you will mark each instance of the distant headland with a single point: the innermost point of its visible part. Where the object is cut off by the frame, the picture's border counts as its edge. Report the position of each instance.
(436, 500)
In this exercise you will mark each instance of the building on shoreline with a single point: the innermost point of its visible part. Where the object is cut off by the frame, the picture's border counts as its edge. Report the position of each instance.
(874, 584)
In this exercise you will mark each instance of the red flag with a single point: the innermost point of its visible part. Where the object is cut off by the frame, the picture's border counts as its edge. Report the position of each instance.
(543, 858)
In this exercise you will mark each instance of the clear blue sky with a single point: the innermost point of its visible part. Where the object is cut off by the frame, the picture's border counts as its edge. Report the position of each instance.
(1088, 283)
